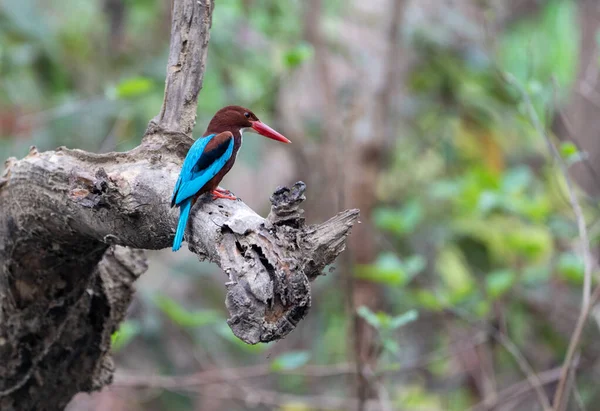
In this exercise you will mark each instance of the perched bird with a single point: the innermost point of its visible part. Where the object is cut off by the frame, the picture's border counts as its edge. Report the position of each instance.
(211, 157)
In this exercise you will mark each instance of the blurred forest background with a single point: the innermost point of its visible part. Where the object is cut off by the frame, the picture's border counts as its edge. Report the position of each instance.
(463, 283)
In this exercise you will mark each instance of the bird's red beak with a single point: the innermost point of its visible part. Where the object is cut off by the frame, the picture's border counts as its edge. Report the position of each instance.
(264, 130)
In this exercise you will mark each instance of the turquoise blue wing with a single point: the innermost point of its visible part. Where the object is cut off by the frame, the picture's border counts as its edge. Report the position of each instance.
(206, 158)
(191, 158)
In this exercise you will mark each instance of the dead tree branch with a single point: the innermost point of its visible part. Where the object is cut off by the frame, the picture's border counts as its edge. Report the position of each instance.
(73, 223)
(190, 25)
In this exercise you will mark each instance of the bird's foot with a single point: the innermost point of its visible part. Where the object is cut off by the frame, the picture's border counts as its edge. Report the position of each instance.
(220, 194)
(222, 191)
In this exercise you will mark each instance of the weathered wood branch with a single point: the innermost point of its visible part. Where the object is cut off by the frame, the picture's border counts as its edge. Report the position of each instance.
(65, 211)
(190, 24)
(72, 225)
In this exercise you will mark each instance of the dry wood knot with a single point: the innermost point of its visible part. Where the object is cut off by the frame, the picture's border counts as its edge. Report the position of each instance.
(90, 192)
(285, 205)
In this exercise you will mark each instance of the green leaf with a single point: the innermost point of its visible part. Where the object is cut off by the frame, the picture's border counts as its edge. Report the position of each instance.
(532, 242)
(429, 300)
(498, 282)
(294, 57)
(132, 87)
(508, 238)
(455, 272)
(389, 269)
(570, 267)
(568, 149)
(184, 318)
(383, 321)
(570, 153)
(400, 222)
(403, 319)
(391, 345)
(290, 361)
(369, 316)
(127, 331)
(386, 270)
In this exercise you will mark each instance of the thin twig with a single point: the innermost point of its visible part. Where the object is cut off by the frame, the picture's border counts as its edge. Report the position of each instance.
(569, 134)
(583, 235)
(513, 350)
(217, 376)
(332, 170)
(383, 120)
(273, 399)
(369, 158)
(488, 374)
(516, 390)
(576, 394)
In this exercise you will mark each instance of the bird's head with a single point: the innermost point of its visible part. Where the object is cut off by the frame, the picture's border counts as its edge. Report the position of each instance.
(233, 118)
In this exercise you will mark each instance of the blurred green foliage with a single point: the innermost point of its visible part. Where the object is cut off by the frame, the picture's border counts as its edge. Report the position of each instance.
(386, 325)
(486, 224)
(490, 215)
(63, 82)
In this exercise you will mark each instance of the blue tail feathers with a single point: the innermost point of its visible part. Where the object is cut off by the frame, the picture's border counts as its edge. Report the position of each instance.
(184, 213)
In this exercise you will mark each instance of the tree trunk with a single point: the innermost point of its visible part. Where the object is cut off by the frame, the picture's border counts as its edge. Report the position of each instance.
(72, 224)
(580, 121)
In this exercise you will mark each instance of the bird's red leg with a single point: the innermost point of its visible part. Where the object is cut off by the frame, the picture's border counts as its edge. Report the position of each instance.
(222, 190)
(219, 194)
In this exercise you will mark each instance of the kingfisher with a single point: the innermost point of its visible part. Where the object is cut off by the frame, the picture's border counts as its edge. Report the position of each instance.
(211, 157)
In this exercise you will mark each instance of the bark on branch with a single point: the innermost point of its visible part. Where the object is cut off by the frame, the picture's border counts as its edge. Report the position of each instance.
(72, 225)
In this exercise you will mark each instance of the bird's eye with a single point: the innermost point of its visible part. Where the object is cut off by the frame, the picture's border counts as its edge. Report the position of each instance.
(247, 115)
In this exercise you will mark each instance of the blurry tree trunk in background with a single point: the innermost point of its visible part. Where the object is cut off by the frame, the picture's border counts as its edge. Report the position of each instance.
(331, 150)
(115, 13)
(368, 158)
(581, 120)
(353, 163)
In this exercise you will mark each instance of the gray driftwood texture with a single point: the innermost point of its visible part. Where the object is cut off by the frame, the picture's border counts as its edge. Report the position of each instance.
(72, 226)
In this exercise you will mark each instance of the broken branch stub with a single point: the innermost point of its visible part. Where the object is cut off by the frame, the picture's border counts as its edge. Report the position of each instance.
(270, 261)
